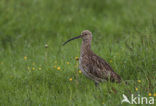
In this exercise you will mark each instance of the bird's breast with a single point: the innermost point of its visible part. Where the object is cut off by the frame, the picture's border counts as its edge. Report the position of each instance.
(82, 66)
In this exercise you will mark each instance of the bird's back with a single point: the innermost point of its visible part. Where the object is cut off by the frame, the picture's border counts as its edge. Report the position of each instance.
(97, 68)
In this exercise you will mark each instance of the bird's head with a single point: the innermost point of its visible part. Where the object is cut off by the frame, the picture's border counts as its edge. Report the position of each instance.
(86, 35)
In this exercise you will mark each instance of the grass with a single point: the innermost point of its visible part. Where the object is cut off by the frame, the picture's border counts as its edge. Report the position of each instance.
(124, 34)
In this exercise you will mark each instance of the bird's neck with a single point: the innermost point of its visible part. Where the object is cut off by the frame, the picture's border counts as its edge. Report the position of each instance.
(85, 47)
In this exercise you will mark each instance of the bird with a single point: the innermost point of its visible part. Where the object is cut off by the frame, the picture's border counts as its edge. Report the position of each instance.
(91, 65)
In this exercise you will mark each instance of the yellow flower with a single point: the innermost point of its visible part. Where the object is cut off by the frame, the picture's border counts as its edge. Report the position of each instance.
(58, 68)
(110, 61)
(39, 68)
(70, 79)
(28, 68)
(25, 57)
(154, 94)
(77, 58)
(149, 94)
(33, 68)
(54, 66)
(139, 81)
(80, 71)
(33, 63)
(102, 102)
(67, 62)
(76, 65)
(136, 89)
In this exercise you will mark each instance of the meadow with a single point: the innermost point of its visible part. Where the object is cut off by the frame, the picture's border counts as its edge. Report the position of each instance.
(36, 70)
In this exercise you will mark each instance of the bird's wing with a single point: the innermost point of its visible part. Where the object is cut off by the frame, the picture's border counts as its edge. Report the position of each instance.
(101, 69)
(99, 66)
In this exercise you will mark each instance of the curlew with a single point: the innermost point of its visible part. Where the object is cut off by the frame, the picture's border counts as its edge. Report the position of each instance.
(91, 65)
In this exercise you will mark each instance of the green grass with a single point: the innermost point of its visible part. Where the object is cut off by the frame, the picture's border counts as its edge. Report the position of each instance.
(124, 32)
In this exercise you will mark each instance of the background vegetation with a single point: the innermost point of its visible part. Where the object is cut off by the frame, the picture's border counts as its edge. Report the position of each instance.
(124, 34)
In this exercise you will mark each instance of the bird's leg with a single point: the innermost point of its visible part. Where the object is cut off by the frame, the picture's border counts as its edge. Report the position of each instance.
(96, 84)
(98, 87)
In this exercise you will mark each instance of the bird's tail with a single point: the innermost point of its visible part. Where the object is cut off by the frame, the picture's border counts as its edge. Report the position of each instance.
(116, 78)
(119, 80)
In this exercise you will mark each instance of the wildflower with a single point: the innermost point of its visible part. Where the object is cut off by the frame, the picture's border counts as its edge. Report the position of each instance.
(33, 63)
(149, 94)
(39, 68)
(25, 57)
(110, 61)
(33, 68)
(102, 102)
(76, 65)
(80, 71)
(28, 68)
(136, 89)
(139, 81)
(77, 58)
(154, 94)
(58, 68)
(70, 79)
(46, 45)
(55, 66)
(67, 62)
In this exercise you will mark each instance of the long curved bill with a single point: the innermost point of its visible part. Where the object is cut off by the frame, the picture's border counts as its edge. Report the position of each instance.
(77, 37)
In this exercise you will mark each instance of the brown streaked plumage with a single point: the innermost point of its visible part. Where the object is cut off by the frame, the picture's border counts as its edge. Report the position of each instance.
(93, 66)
